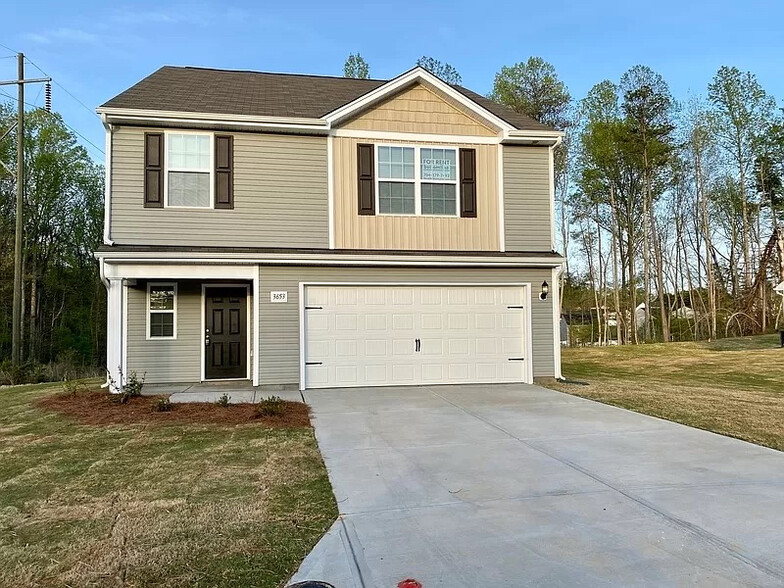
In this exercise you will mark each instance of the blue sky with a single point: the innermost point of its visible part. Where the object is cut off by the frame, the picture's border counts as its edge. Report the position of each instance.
(97, 49)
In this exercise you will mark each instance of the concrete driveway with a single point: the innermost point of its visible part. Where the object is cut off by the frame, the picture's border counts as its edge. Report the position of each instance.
(515, 485)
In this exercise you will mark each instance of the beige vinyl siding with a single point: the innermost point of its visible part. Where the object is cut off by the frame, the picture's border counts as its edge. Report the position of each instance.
(166, 360)
(528, 222)
(420, 109)
(280, 196)
(355, 231)
(279, 323)
(169, 360)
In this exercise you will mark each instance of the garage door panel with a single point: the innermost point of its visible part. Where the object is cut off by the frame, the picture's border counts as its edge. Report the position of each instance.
(374, 296)
(376, 348)
(403, 321)
(345, 348)
(459, 347)
(431, 321)
(376, 322)
(345, 296)
(457, 321)
(366, 335)
(376, 373)
(432, 372)
(344, 321)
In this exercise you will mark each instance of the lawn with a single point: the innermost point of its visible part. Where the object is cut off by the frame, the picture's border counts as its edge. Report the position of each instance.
(732, 386)
(163, 504)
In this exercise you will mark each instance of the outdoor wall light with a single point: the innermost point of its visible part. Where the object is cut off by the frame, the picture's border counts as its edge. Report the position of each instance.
(545, 291)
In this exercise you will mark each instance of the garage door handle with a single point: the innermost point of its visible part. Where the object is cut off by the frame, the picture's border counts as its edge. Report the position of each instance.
(312, 363)
(418, 345)
(516, 359)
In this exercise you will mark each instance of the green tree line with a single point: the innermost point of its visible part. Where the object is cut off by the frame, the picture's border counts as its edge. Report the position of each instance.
(64, 302)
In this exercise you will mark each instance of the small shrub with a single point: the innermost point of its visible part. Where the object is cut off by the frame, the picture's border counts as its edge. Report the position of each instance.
(133, 387)
(162, 405)
(274, 406)
(223, 400)
(75, 388)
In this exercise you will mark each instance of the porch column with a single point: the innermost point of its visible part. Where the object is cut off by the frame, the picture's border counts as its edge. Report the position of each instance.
(114, 333)
(255, 327)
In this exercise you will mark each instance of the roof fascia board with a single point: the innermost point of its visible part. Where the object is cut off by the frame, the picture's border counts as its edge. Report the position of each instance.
(116, 114)
(418, 74)
(326, 259)
(545, 138)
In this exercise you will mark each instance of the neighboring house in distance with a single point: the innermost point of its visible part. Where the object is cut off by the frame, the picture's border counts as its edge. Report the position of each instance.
(327, 232)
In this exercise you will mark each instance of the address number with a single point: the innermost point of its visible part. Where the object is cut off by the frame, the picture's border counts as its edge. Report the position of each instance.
(279, 296)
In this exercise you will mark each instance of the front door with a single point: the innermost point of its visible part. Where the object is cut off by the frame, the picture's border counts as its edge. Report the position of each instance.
(225, 336)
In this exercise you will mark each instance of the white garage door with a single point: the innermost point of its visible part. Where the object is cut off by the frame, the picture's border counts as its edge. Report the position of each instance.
(402, 335)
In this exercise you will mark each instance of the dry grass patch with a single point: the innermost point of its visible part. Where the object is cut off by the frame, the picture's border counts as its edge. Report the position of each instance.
(170, 504)
(734, 386)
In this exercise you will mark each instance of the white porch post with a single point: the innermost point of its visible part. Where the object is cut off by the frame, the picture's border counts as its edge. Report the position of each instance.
(114, 331)
(255, 325)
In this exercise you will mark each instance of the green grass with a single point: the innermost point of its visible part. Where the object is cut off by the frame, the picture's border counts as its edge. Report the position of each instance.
(732, 386)
(154, 505)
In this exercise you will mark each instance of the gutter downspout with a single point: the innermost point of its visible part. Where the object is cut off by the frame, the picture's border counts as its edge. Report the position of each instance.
(107, 199)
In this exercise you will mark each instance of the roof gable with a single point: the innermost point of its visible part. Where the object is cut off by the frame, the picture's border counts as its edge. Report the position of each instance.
(419, 108)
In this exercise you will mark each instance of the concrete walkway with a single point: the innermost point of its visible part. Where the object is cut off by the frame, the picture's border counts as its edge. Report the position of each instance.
(513, 485)
(239, 392)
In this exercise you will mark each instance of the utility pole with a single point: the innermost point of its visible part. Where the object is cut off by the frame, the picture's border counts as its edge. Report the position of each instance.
(16, 337)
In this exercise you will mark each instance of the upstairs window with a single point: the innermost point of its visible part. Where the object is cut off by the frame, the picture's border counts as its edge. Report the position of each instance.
(161, 311)
(396, 185)
(189, 170)
(417, 180)
(439, 181)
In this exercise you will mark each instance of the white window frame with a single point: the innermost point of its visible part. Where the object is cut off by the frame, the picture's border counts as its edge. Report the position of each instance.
(167, 169)
(173, 311)
(417, 180)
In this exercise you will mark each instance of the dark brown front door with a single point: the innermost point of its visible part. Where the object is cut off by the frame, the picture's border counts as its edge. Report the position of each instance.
(225, 337)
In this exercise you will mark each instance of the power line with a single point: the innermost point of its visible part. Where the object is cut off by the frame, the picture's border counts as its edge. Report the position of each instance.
(101, 151)
(59, 85)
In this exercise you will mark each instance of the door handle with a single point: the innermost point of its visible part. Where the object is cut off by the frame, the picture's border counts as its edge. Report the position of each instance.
(207, 339)
(418, 345)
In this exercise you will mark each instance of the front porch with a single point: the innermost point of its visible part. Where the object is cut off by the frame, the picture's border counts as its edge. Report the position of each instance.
(238, 391)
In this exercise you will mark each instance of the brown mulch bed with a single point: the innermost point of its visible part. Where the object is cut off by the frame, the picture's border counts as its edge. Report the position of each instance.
(97, 407)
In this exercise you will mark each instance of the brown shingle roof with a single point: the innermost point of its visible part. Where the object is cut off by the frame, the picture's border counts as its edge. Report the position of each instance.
(217, 91)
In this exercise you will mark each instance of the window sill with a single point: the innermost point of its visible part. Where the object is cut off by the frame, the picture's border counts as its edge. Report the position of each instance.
(394, 214)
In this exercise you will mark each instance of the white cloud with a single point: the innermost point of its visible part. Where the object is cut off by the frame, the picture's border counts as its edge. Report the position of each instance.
(63, 34)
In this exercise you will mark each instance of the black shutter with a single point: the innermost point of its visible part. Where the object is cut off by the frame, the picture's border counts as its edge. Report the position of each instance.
(224, 171)
(366, 179)
(468, 183)
(153, 170)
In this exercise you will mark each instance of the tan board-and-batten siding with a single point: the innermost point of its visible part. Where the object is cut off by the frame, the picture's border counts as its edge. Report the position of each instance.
(279, 327)
(354, 231)
(528, 221)
(280, 196)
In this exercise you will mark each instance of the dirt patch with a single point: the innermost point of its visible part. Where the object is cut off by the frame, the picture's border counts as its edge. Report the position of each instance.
(97, 407)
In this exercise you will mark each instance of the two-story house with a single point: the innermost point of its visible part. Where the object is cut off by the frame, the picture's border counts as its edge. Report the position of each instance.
(327, 232)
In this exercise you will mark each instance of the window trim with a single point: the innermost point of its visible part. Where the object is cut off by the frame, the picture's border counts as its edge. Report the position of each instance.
(417, 180)
(173, 311)
(166, 169)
